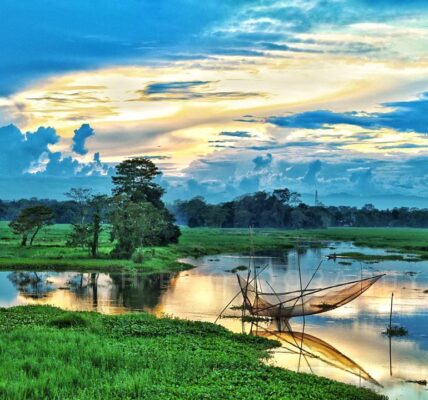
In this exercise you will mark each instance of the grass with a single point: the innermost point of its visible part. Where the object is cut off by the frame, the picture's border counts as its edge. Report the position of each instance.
(50, 250)
(47, 353)
(396, 331)
(412, 240)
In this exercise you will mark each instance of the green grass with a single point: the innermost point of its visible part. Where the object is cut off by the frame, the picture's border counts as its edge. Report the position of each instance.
(46, 353)
(411, 240)
(50, 250)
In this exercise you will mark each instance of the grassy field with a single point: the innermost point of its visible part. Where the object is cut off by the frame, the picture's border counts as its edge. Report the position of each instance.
(47, 353)
(50, 251)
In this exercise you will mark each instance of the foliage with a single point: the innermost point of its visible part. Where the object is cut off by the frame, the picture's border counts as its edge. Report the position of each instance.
(30, 221)
(283, 209)
(69, 320)
(139, 356)
(139, 217)
(52, 252)
(139, 224)
(395, 330)
(86, 232)
(135, 178)
(81, 197)
(138, 256)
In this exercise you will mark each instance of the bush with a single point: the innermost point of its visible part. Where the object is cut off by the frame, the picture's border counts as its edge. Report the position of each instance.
(69, 320)
(396, 331)
(138, 256)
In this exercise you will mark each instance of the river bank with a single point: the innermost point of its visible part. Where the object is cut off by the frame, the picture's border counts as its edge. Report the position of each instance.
(49, 353)
(50, 251)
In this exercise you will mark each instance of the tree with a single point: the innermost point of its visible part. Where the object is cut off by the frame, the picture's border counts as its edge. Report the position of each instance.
(30, 221)
(81, 197)
(138, 216)
(98, 205)
(285, 196)
(134, 178)
(87, 234)
(135, 225)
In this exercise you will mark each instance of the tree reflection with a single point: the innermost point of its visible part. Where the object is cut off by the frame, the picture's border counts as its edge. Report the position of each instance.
(31, 284)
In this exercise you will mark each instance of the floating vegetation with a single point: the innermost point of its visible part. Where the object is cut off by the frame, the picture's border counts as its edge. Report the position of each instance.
(410, 273)
(238, 268)
(345, 262)
(252, 318)
(396, 331)
(422, 382)
(240, 307)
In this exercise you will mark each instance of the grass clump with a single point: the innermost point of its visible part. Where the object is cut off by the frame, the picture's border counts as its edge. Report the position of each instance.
(70, 320)
(238, 268)
(140, 356)
(396, 331)
(138, 256)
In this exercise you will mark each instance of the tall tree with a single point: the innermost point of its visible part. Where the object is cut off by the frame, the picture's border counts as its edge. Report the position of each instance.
(138, 216)
(87, 234)
(99, 205)
(30, 221)
(135, 178)
(81, 197)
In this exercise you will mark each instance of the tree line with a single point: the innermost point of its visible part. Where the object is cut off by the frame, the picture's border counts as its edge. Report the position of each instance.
(134, 215)
(283, 208)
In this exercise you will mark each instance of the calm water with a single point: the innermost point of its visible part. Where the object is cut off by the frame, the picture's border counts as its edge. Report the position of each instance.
(347, 341)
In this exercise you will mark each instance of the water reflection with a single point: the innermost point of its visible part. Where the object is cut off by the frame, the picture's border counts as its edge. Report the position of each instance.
(353, 330)
(108, 293)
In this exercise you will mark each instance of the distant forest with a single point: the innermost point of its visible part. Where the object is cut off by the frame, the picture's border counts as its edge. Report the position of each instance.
(278, 209)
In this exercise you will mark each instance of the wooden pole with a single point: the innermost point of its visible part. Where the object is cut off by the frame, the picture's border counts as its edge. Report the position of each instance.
(390, 335)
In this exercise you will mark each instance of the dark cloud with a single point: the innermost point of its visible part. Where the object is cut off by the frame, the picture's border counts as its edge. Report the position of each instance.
(261, 162)
(80, 137)
(186, 90)
(236, 134)
(406, 116)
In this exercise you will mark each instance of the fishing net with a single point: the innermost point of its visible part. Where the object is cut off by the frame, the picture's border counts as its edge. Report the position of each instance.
(313, 347)
(300, 303)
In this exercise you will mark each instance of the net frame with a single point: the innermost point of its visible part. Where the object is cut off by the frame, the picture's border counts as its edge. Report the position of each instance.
(313, 301)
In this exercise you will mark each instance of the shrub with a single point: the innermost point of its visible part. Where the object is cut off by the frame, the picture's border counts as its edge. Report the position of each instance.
(138, 256)
(69, 320)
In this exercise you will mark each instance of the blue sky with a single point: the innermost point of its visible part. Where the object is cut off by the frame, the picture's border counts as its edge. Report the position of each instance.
(227, 97)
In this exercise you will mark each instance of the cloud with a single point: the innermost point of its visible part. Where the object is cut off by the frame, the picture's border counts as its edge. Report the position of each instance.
(407, 116)
(29, 155)
(187, 90)
(79, 139)
(76, 35)
(314, 168)
(261, 162)
(236, 134)
(20, 152)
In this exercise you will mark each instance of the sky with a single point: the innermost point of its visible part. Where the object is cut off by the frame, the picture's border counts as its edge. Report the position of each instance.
(226, 97)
